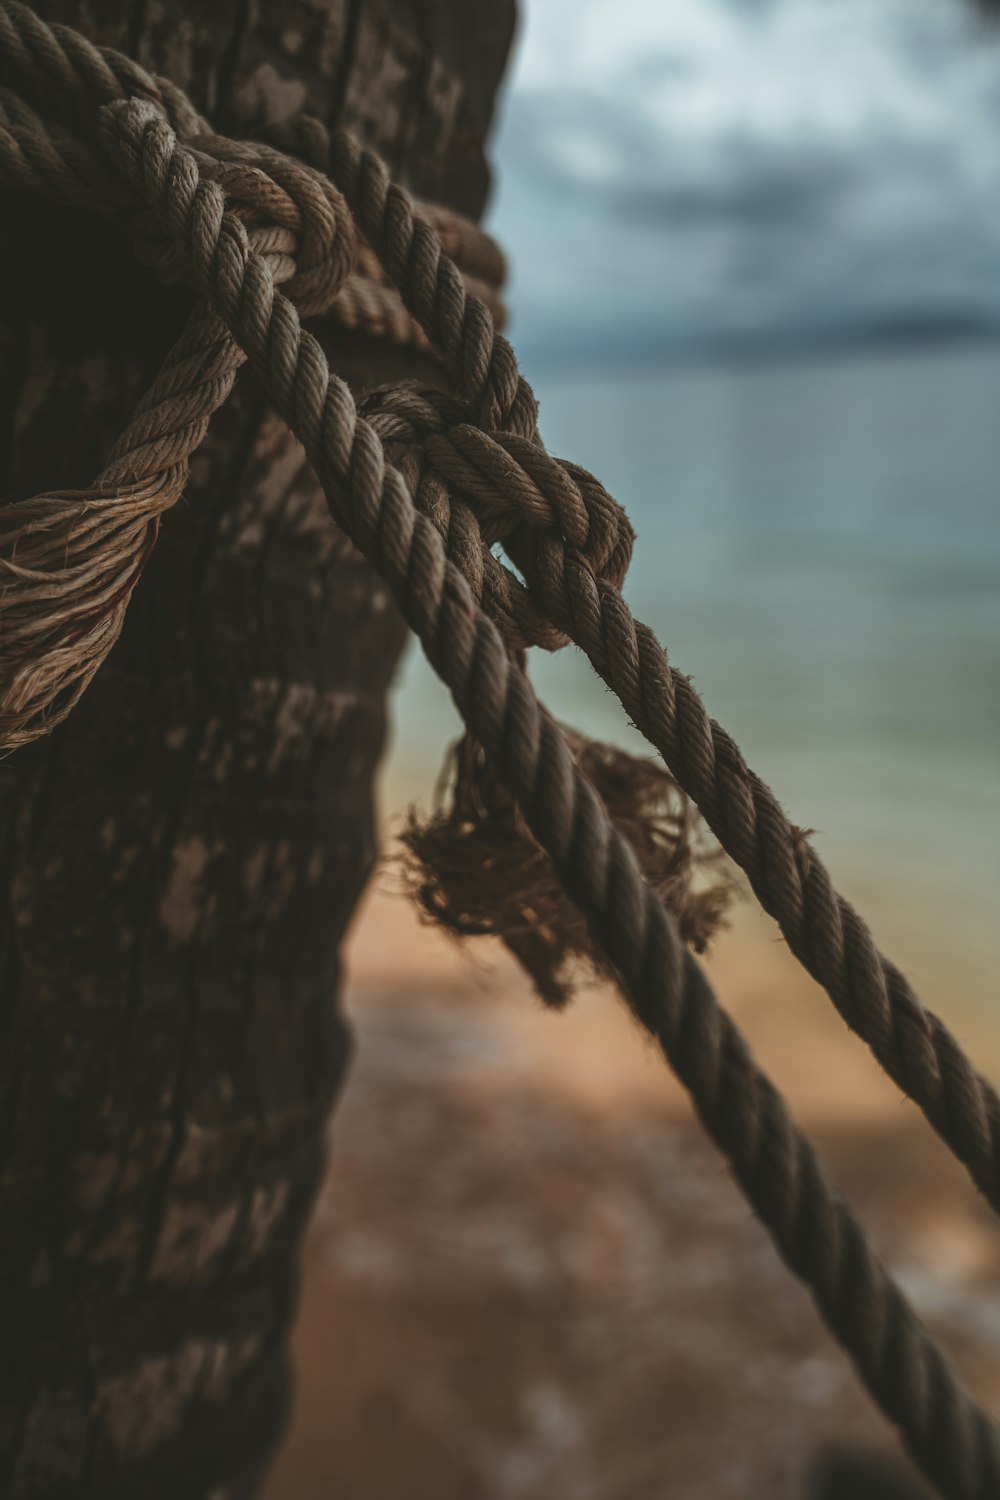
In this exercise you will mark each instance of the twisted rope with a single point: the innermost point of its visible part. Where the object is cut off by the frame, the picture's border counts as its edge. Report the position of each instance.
(667, 990)
(484, 476)
(69, 561)
(185, 227)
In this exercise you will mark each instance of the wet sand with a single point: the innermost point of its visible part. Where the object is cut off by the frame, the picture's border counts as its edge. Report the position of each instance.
(530, 1276)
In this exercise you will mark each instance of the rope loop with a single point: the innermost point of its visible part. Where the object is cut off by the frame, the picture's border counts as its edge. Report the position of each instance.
(296, 219)
(269, 189)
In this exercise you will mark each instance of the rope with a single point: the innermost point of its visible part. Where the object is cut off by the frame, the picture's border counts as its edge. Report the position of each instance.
(482, 487)
(667, 990)
(70, 560)
(571, 542)
(237, 264)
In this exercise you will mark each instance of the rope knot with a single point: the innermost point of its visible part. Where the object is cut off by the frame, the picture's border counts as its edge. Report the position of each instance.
(544, 510)
(294, 217)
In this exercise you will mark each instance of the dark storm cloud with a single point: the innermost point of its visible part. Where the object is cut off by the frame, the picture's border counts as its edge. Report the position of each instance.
(725, 170)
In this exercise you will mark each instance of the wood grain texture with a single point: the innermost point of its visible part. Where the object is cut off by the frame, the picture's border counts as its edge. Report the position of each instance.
(179, 860)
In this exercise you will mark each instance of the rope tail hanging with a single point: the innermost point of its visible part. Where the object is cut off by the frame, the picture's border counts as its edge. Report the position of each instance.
(245, 225)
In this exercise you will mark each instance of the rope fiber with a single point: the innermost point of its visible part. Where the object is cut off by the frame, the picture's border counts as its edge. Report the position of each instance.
(266, 234)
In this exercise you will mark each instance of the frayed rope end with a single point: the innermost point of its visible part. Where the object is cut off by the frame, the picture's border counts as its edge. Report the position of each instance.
(474, 869)
(68, 564)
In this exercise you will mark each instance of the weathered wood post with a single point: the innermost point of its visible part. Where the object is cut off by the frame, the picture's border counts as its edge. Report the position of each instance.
(179, 860)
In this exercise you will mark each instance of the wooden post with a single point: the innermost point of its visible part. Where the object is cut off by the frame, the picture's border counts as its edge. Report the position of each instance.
(180, 859)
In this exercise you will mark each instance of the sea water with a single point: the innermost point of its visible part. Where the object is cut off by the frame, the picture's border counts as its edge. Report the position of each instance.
(819, 547)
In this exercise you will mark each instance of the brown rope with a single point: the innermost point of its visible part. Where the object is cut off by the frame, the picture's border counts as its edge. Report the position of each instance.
(69, 562)
(236, 264)
(570, 541)
(816, 1232)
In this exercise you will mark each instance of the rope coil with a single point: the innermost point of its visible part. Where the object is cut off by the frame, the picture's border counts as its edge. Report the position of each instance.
(254, 230)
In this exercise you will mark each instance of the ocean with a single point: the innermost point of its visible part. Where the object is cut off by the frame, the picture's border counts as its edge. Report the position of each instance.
(819, 547)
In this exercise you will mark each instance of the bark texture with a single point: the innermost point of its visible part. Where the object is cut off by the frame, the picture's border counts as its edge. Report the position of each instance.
(179, 860)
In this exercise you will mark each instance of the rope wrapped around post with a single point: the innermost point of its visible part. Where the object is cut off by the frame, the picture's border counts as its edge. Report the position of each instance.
(69, 562)
(184, 214)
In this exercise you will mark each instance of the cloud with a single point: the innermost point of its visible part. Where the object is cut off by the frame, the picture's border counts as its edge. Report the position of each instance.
(710, 170)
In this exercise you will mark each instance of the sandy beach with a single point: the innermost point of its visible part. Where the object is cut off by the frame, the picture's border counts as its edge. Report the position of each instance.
(529, 1274)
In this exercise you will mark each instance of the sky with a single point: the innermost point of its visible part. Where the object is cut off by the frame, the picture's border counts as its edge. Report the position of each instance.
(689, 174)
